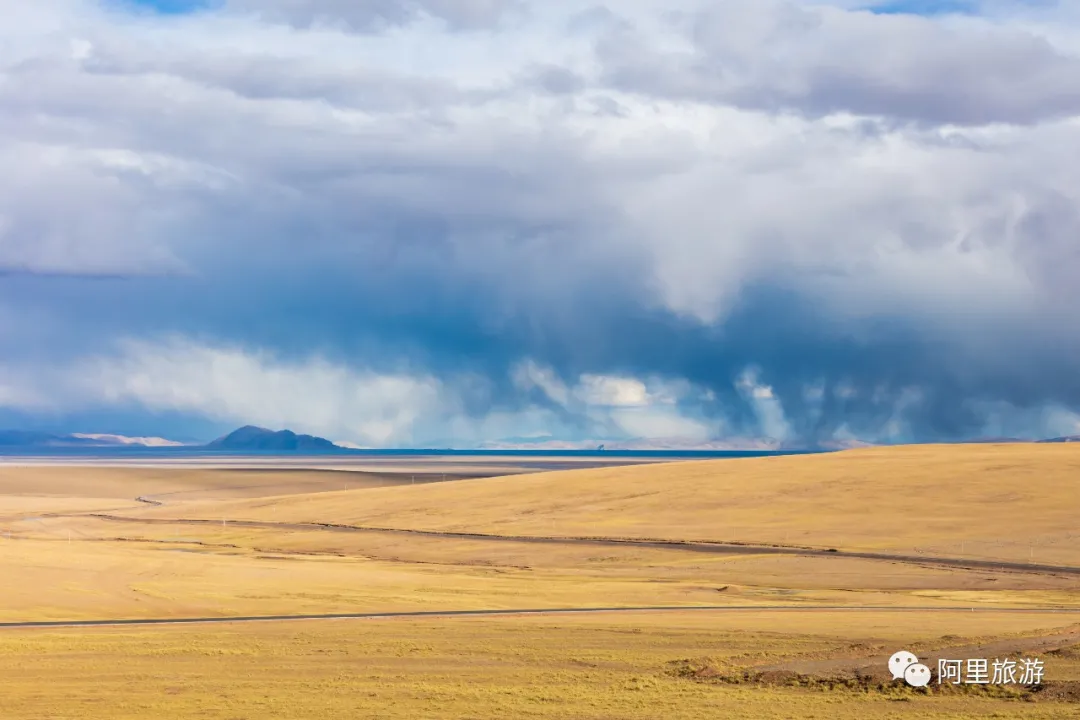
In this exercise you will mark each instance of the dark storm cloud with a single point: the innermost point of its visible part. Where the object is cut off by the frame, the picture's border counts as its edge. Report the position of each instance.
(302, 232)
(450, 327)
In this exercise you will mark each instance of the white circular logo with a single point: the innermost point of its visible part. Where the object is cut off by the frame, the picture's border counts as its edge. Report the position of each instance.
(917, 675)
(899, 662)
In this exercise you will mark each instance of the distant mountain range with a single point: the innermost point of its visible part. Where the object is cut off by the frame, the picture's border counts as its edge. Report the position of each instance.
(738, 443)
(248, 437)
(33, 439)
(670, 444)
(251, 437)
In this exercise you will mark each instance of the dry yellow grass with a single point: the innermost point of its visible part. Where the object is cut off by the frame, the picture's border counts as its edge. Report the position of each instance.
(175, 484)
(579, 668)
(129, 580)
(1015, 502)
(123, 570)
(85, 567)
(1011, 502)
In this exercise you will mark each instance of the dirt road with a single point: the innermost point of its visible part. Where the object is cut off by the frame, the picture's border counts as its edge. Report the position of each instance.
(700, 547)
(531, 611)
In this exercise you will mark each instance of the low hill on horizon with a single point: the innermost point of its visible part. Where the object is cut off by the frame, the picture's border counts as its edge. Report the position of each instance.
(31, 438)
(35, 439)
(251, 437)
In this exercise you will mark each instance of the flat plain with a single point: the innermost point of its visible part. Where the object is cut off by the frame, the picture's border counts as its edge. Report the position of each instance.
(786, 581)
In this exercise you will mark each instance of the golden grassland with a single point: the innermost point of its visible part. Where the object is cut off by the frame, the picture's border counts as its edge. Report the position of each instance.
(175, 484)
(1014, 501)
(83, 567)
(1011, 502)
(576, 667)
(108, 569)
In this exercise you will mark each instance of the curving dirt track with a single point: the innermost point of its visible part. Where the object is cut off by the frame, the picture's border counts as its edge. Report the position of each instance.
(700, 547)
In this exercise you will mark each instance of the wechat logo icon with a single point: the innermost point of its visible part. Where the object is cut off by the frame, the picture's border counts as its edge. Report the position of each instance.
(905, 665)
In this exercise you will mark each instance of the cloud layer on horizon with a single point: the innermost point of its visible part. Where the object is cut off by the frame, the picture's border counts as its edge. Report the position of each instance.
(401, 222)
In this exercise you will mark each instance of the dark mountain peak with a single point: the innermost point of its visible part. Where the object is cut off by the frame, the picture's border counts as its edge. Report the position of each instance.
(1065, 439)
(251, 437)
(248, 432)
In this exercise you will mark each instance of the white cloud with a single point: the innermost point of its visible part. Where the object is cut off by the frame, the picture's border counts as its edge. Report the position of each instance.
(373, 15)
(1066, 422)
(660, 423)
(719, 195)
(767, 407)
(783, 55)
(232, 385)
(235, 386)
(612, 391)
(529, 374)
(623, 405)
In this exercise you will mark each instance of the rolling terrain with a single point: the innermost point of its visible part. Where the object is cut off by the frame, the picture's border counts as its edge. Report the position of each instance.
(1006, 502)
(795, 573)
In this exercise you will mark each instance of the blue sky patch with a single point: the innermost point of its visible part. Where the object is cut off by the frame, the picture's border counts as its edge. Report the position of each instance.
(927, 7)
(169, 7)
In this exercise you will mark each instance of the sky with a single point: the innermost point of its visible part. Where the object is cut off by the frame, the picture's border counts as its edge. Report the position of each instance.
(444, 222)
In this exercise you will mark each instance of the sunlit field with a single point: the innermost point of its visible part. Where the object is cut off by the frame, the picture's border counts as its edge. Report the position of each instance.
(1014, 502)
(772, 625)
(632, 666)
